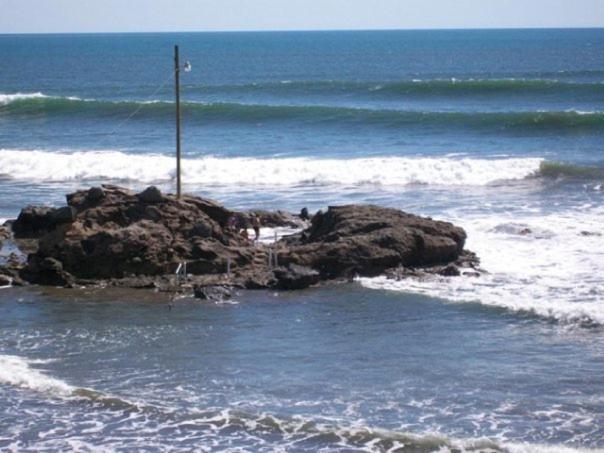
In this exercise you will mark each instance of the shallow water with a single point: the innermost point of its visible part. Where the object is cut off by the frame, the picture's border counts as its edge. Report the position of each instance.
(335, 367)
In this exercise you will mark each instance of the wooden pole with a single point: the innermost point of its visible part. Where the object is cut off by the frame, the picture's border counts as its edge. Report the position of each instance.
(177, 89)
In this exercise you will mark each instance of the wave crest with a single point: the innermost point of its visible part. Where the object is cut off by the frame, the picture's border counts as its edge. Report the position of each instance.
(222, 171)
(25, 105)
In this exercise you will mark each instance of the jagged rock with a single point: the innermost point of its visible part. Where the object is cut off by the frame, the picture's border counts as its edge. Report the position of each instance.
(122, 234)
(33, 222)
(95, 194)
(65, 214)
(213, 293)
(46, 271)
(296, 277)
(367, 240)
(151, 195)
(258, 280)
(450, 270)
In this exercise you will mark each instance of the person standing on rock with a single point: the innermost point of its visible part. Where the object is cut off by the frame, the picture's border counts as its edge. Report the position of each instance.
(255, 220)
(241, 227)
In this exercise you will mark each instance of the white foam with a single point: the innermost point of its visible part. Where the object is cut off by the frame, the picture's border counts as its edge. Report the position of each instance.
(515, 447)
(41, 165)
(6, 99)
(270, 235)
(554, 275)
(17, 371)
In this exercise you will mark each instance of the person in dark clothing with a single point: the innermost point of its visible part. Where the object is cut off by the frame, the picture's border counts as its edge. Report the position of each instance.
(255, 221)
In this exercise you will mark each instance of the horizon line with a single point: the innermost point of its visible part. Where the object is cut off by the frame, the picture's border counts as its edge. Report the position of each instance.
(600, 27)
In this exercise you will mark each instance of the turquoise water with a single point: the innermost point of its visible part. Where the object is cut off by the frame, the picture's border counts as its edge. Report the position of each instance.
(497, 131)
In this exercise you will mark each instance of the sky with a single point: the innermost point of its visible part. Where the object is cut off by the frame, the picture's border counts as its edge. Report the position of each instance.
(75, 16)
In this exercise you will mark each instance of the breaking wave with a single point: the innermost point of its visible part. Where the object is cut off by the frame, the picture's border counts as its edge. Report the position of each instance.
(223, 171)
(540, 265)
(212, 424)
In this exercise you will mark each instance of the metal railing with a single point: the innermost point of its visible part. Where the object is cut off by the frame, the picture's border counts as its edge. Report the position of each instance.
(181, 273)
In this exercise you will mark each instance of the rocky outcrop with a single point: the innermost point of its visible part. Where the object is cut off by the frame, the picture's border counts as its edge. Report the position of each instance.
(36, 221)
(114, 235)
(368, 240)
(295, 276)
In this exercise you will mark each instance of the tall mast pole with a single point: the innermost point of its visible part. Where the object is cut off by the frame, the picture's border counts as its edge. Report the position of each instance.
(177, 90)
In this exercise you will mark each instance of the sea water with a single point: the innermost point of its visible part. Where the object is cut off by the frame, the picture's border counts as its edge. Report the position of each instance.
(500, 132)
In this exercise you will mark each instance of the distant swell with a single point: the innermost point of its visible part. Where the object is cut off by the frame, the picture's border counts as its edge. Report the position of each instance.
(222, 171)
(35, 104)
(417, 87)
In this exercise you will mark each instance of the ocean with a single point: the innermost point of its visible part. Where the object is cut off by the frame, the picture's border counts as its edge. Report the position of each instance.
(498, 131)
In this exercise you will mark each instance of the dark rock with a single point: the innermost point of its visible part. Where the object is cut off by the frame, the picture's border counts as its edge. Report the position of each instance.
(213, 293)
(467, 259)
(304, 214)
(33, 222)
(450, 270)
(201, 229)
(590, 233)
(152, 213)
(296, 277)
(367, 240)
(65, 214)
(471, 274)
(46, 271)
(259, 280)
(151, 195)
(95, 194)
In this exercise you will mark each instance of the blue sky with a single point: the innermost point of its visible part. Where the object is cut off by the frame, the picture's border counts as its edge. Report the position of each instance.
(49, 16)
